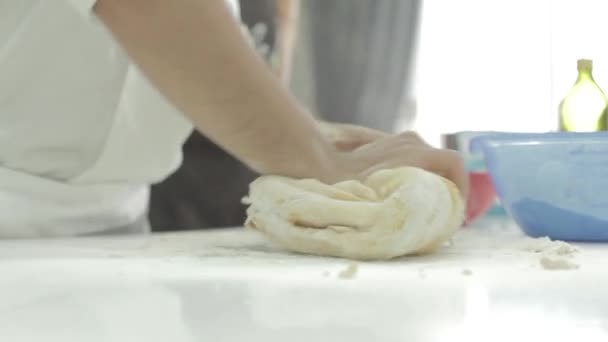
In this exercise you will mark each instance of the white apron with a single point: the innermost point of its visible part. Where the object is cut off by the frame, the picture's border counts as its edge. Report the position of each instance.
(82, 132)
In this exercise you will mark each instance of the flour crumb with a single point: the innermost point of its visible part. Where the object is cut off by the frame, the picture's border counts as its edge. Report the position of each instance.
(422, 273)
(325, 274)
(553, 262)
(467, 272)
(546, 245)
(554, 254)
(115, 256)
(349, 272)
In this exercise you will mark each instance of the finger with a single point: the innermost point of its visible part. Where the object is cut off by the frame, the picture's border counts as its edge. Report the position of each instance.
(370, 134)
(347, 145)
(350, 137)
(448, 164)
(413, 137)
(390, 144)
(362, 130)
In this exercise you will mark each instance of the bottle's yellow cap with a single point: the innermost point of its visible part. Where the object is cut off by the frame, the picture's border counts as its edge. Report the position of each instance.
(584, 64)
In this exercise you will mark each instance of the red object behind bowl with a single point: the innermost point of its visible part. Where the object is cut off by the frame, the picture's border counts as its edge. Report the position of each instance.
(482, 195)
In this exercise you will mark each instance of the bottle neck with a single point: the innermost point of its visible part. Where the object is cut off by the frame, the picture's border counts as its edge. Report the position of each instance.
(584, 74)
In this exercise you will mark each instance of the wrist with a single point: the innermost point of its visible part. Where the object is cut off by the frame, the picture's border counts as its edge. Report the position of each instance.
(311, 156)
(327, 163)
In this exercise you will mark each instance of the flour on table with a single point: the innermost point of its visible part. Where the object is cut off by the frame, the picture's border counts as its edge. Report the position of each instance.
(349, 272)
(553, 254)
(549, 262)
(546, 245)
(390, 214)
(422, 273)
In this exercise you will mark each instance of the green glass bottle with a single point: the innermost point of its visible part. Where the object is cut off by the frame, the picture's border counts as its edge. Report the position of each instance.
(585, 106)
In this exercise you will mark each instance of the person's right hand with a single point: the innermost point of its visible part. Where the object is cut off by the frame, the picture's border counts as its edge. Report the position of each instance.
(406, 149)
(347, 137)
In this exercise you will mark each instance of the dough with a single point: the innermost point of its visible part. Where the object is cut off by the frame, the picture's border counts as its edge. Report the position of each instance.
(392, 213)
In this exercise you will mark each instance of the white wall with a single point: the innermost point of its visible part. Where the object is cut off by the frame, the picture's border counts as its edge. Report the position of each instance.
(503, 64)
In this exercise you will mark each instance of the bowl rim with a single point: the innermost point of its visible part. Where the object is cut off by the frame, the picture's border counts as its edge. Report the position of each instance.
(479, 143)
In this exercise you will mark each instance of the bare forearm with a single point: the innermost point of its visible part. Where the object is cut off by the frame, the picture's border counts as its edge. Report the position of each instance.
(194, 52)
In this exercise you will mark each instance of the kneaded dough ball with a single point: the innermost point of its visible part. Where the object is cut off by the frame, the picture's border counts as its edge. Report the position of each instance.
(392, 213)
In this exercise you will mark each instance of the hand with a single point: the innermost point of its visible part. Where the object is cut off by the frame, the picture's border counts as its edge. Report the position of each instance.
(345, 137)
(406, 149)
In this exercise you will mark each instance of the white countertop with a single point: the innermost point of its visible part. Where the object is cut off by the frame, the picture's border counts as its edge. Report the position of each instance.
(230, 285)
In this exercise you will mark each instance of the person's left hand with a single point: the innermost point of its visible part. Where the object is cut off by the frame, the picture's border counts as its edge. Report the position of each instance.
(346, 137)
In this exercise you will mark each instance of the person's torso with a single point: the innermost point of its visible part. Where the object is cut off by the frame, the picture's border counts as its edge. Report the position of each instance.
(82, 132)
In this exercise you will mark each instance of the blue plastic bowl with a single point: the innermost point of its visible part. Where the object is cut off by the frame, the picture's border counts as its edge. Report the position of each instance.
(551, 184)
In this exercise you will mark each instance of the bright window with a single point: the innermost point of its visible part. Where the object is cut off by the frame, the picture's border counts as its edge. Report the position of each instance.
(503, 64)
